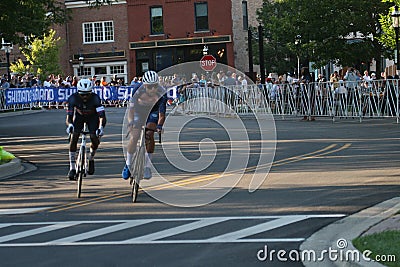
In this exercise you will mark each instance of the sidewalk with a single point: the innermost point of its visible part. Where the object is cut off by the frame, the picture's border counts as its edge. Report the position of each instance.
(339, 235)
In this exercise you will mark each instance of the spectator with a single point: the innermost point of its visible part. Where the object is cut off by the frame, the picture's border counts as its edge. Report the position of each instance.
(47, 82)
(103, 81)
(4, 84)
(242, 80)
(94, 80)
(203, 80)
(221, 77)
(114, 81)
(351, 78)
(74, 82)
(307, 94)
(135, 81)
(229, 80)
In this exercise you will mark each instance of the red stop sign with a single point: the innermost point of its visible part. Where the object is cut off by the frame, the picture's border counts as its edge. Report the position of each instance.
(208, 62)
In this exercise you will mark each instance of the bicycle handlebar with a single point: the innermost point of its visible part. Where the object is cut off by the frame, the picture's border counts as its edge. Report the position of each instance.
(147, 129)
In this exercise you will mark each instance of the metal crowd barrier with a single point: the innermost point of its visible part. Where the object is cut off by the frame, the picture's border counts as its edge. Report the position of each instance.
(358, 100)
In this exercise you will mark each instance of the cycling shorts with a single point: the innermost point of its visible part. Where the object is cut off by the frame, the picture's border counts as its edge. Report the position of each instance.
(92, 123)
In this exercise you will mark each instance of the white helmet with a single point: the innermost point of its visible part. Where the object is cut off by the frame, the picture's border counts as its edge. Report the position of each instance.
(150, 77)
(85, 86)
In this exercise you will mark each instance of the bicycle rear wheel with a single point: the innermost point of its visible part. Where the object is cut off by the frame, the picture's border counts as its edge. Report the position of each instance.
(81, 171)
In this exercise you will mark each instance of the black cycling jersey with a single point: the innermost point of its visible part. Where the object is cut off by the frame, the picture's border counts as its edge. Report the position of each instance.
(92, 107)
(79, 112)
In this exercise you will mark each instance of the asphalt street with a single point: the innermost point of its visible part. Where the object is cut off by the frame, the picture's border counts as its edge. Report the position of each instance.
(322, 171)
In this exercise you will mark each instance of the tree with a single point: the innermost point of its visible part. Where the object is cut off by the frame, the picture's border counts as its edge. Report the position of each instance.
(388, 36)
(42, 56)
(336, 30)
(32, 18)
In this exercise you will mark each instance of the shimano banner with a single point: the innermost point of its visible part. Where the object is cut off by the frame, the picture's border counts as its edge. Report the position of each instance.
(41, 94)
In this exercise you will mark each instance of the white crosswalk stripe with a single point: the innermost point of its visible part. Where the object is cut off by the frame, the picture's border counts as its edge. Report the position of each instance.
(21, 211)
(191, 227)
(258, 228)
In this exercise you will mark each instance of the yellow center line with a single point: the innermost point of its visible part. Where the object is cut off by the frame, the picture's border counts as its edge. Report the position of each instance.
(82, 203)
(321, 152)
(248, 169)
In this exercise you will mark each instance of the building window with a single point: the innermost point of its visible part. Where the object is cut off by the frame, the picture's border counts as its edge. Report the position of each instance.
(117, 69)
(86, 71)
(156, 15)
(201, 13)
(245, 16)
(98, 32)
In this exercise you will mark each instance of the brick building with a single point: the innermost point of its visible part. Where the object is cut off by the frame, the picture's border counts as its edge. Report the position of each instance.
(132, 36)
(164, 33)
(99, 38)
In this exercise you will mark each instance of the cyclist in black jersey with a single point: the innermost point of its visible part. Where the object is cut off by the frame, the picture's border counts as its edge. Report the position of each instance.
(84, 106)
(147, 108)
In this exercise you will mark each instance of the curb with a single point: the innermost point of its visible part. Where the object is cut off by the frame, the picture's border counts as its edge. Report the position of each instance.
(346, 230)
(15, 167)
(10, 168)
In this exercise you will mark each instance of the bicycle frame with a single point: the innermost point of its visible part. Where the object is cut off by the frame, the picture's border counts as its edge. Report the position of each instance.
(82, 162)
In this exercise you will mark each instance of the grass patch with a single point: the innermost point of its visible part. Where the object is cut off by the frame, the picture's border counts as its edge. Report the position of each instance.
(382, 245)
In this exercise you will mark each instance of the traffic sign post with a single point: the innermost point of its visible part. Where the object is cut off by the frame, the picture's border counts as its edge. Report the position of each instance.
(208, 62)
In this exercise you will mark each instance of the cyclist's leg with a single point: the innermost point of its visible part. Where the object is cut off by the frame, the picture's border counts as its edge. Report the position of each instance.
(150, 143)
(78, 125)
(93, 125)
(134, 134)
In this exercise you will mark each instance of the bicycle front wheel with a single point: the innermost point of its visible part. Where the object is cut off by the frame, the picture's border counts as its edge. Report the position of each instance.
(81, 171)
(138, 173)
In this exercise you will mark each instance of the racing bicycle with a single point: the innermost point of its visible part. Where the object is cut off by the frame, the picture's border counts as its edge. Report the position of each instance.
(138, 167)
(81, 165)
(139, 163)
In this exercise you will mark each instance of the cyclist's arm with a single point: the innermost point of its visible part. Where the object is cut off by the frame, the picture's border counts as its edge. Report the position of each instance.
(100, 111)
(131, 111)
(162, 109)
(70, 111)
(131, 104)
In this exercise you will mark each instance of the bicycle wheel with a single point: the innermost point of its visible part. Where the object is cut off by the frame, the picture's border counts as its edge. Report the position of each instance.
(81, 171)
(138, 173)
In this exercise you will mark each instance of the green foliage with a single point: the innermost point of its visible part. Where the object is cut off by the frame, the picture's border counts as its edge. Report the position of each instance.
(19, 67)
(388, 36)
(327, 30)
(43, 56)
(31, 18)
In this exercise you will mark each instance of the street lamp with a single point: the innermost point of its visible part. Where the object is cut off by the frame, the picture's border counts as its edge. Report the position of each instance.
(297, 42)
(81, 59)
(205, 50)
(396, 24)
(7, 47)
